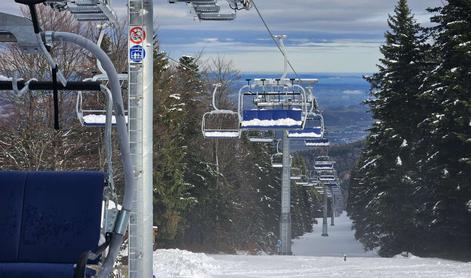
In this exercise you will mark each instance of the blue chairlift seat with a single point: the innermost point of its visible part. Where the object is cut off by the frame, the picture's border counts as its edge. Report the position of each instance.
(48, 220)
(272, 119)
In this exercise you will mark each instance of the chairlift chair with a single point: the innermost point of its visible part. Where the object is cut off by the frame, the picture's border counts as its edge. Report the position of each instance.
(210, 10)
(260, 136)
(317, 143)
(323, 158)
(324, 165)
(304, 181)
(278, 116)
(327, 175)
(220, 123)
(327, 178)
(277, 160)
(313, 128)
(93, 117)
(296, 174)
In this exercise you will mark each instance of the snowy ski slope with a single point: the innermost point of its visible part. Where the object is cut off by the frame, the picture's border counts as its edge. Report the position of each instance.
(315, 256)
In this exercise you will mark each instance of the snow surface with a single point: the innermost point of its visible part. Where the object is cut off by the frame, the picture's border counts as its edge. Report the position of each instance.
(314, 257)
(339, 242)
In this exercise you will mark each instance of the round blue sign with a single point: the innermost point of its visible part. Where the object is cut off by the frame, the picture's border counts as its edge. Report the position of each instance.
(137, 54)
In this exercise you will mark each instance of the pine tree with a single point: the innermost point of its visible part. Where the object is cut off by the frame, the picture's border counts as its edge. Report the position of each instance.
(380, 198)
(446, 148)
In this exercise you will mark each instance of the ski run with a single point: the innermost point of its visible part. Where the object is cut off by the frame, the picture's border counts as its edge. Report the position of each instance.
(314, 256)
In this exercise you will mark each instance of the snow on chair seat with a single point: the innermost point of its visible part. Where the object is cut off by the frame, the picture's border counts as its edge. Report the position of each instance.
(218, 134)
(47, 220)
(272, 119)
(98, 120)
(260, 136)
(321, 142)
(324, 165)
(306, 133)
(95, 117)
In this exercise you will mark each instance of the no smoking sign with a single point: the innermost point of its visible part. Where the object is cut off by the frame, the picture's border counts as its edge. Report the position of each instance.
(137, 35)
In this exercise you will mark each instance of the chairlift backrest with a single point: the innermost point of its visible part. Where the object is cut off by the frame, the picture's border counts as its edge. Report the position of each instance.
(220, 123)
(48, 220)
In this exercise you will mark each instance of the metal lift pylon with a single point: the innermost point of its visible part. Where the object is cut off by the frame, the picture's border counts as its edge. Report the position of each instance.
(140, 58)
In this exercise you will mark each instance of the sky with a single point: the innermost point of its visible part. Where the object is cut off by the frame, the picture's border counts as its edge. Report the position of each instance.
(323, 35)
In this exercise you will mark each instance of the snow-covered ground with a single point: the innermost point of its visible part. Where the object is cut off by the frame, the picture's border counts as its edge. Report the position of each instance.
(315, 256)
(339, 242)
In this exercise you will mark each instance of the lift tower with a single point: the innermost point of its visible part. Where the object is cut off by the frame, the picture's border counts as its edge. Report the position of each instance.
(140, 58)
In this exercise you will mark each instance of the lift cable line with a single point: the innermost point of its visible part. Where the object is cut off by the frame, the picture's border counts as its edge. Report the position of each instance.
(274, 39)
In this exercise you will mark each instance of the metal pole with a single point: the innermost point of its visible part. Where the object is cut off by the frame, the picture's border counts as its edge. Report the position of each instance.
(324, 209)
(280, 39)
(285, 219)
(332, 205)
(141, 131)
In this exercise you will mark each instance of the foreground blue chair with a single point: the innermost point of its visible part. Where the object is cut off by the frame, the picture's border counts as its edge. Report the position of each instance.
(48, 221)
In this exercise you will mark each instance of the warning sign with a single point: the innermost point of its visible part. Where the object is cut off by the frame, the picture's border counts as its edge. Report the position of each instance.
(137, 35)
(137, 54)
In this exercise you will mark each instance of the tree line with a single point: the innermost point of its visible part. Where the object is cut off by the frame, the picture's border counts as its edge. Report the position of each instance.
(411, 190)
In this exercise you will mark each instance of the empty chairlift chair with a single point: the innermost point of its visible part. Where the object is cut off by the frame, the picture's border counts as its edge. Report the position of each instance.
(327, 176)
(91, 117)
(313, 128)
(324, 165)
(296, 174)
(303, 181)
(317, 143)
(277, 160)
(260, 136)
(219, 123)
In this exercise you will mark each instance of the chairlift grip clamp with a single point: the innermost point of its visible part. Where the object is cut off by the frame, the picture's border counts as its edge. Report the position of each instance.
(122, 221)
